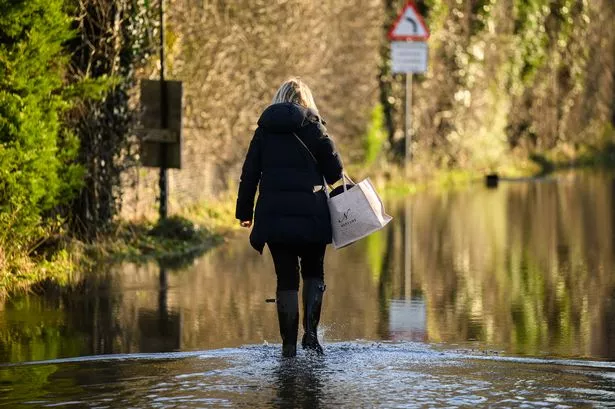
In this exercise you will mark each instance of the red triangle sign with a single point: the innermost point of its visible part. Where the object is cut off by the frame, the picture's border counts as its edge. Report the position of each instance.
(409, 25)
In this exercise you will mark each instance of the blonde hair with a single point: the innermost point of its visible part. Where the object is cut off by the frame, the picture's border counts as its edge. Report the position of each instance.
(297, 91)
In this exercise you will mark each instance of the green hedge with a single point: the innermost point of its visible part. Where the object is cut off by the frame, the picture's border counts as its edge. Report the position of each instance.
(37, 170)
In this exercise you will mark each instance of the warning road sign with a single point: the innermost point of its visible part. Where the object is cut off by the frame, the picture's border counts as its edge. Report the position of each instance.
(409, 26)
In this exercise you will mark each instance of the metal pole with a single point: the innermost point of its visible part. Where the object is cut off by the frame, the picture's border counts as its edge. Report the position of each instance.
(408, 125)
(163, 183)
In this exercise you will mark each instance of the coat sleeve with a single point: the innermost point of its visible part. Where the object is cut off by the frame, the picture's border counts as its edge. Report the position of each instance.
(250, 177)
(328, 158)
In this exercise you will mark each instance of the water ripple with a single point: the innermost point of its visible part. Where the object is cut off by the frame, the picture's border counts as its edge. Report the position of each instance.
(352, 374)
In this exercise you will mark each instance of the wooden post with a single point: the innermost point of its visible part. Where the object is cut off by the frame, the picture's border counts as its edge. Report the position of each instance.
(163, 182)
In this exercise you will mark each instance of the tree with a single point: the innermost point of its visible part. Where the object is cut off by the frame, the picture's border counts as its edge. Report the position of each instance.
(36, 169)
(111, 43)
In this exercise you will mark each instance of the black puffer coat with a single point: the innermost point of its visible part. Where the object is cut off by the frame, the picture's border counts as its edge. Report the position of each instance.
(290, 207)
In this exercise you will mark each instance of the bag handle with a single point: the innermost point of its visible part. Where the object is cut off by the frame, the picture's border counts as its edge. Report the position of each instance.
(344, 175)
(324, 181)
(345, 178)
(306, 148)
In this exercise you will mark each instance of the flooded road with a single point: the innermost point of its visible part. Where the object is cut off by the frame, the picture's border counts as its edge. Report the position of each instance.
(397, 375)
(469, 297)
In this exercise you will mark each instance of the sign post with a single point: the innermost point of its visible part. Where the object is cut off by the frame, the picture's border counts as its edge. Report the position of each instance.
(409, 55)
(161, 118)
(163, 181)
(408, 121)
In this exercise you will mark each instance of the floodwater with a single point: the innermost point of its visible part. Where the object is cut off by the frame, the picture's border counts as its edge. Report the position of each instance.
(470, 297)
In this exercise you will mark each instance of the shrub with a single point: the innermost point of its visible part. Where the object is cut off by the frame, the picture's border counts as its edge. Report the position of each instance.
(36, 170)
(375, 136)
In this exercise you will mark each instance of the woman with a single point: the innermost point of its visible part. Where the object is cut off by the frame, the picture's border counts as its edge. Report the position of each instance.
(289, 155)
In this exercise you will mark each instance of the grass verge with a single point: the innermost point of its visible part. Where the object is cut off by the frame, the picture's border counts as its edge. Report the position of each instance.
(192, 231)
(173, 243)
(20, 271)
(593, 156)
(174, 238)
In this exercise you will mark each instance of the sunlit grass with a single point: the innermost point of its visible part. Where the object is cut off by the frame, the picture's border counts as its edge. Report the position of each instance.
(193, 231)
(176, 237)
(21, 270)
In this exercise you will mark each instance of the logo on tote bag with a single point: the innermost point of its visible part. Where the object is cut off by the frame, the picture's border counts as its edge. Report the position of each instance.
(345, 220)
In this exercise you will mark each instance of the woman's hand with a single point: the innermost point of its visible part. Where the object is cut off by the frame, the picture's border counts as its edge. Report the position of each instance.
(246, 223)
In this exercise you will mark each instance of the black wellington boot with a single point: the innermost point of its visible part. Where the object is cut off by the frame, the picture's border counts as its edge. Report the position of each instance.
(313, 290)
(288, 317)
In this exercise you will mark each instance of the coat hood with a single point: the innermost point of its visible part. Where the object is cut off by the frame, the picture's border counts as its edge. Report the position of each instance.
(287, 117)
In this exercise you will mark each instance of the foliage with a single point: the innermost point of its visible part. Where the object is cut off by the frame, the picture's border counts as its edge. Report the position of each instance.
(20, 271)
(174, 241)
(37, 172)
(57, 121)
(175, 227)
(507, 79)
(169, 240)
(111, 44)
(233, 55)
(31, 151)
(531, 37)
(375, 136)
(599, 153)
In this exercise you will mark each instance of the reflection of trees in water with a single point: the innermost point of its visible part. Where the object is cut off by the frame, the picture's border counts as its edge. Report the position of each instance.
(526, 267)
(384, 286)
(218, 301)
(529, 265)
(94, 316)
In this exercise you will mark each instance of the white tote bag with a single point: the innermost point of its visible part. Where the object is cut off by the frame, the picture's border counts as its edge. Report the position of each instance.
(356, 212)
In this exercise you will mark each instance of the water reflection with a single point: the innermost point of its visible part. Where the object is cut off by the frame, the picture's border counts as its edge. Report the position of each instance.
(526, 268)
(299, 384)
(408, 320)
(160, 328)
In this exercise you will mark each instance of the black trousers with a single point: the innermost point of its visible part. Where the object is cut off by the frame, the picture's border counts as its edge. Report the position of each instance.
(288, 258)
